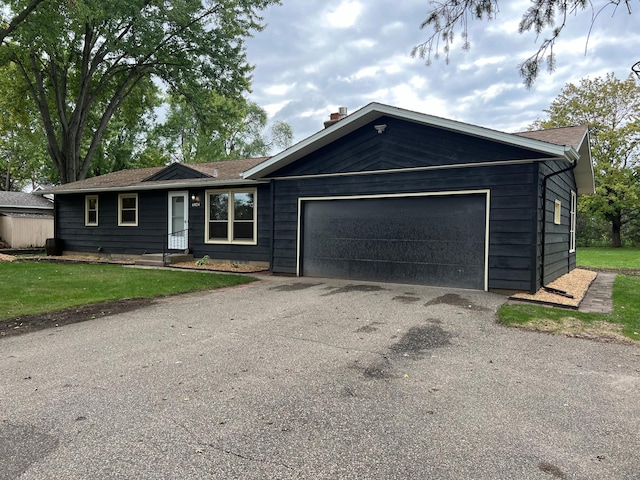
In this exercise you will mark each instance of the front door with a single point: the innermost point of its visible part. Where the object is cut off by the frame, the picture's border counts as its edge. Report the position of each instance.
(178, 237)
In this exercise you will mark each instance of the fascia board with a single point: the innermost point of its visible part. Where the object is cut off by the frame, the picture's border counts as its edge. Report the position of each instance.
(160, 186)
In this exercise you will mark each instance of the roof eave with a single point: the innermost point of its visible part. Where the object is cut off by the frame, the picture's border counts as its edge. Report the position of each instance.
(158, 186)
(584, 174)
(31, 207)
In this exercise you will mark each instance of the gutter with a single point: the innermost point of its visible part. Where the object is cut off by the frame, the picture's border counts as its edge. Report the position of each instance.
(162, 186)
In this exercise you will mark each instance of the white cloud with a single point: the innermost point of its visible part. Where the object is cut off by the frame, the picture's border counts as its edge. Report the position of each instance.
(278, 89)
(273, 109)
(344, 15)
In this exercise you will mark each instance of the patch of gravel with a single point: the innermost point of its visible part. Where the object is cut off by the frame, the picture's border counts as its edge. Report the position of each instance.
(575, 283)
(7, 258)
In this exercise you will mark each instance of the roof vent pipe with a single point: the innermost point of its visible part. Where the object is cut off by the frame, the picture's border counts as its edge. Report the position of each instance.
(342, 111)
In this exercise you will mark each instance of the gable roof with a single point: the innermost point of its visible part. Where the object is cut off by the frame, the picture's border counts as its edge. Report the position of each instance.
(151, 178)
(578, 138)
(13, 200)
(568, 150)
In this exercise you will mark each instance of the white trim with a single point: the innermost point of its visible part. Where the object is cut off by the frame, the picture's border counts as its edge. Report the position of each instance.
(230, 216)
(557, 212)
(127, 195)
(486, 192)
(573, 212)
(374, 111)
(415, 169)
(87, 198)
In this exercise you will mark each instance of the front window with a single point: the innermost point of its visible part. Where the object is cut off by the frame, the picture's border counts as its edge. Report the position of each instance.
(91, 210)
(128, 210)
(231, 217)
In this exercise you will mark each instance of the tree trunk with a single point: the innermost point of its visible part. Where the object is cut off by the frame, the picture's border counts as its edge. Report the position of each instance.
(616, 223)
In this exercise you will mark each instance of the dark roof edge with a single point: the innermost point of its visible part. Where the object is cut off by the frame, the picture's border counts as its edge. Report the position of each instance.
(206, 182)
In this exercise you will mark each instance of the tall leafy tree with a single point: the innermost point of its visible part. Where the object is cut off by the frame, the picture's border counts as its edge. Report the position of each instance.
(230, 129)
(84, 59)
(22, 140)
(611, 109)
(547, 18)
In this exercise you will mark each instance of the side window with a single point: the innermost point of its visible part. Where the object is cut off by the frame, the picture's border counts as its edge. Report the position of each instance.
(91, 211)
(128, 210)
(557, 212)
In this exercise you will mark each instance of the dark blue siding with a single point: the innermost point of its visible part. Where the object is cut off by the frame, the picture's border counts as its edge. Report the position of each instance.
(151, 231)
(512, 214)
(402, 145)
(558, 260)
(108, 236)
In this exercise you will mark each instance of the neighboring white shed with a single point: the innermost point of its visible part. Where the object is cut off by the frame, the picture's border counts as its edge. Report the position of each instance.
(26, 220)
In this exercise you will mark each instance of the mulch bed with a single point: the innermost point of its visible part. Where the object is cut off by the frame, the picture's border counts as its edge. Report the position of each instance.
(575, 284)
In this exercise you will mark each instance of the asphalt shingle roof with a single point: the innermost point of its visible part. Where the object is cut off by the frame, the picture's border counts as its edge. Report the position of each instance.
(572, 136)
(221, 171)
(23, 200)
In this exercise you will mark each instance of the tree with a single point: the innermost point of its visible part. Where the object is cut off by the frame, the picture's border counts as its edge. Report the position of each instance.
(124, 144)
(22, 140)
(84, 59)
(230, 129)
(14, 14)
(611, 109)
(452, 16)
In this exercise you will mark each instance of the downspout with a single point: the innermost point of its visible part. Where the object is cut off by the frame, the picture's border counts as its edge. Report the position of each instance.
(573, 165)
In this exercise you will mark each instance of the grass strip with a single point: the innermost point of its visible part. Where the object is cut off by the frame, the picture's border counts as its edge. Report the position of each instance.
(626, 310)
(28, 288)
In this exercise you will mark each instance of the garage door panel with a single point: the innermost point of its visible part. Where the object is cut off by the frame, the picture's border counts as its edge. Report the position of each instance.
(409, 251)
(435, 240)
(393, 272)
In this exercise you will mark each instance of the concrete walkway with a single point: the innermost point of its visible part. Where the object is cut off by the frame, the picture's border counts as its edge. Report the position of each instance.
(598, 298)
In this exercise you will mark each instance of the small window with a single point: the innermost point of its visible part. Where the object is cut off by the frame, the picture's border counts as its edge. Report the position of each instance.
(557, 213)
(231, 217)
(91, 211)
(572, 224)
(128, 210)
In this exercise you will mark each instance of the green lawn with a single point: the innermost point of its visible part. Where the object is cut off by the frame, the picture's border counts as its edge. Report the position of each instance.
(593, 257)
(625, 294)
(28, 288)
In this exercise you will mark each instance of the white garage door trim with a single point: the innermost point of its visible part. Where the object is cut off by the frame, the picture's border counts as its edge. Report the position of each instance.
(486, 192)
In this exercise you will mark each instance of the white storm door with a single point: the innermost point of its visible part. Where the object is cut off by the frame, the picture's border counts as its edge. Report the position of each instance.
(178, 237)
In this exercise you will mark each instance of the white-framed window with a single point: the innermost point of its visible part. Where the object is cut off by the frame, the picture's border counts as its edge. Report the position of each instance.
(572, 222)
(231, 216)
(128, 210)
(91, 211)
(557, 212)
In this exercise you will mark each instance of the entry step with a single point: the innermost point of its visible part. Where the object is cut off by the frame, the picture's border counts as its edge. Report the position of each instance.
(155, 259)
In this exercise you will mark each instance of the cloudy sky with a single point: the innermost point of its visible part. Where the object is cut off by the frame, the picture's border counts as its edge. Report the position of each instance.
(315, 56)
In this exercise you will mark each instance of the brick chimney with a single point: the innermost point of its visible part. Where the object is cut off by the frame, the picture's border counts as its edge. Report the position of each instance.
(336, 117)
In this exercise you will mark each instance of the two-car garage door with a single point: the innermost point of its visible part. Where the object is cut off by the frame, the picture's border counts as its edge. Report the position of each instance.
(420, 239)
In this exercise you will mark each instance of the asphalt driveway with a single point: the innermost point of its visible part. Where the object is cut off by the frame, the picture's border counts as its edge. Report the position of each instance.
(311, 378)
